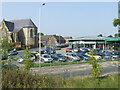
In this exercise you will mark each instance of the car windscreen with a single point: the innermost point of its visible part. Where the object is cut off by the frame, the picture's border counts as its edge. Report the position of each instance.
(46, 56)
(73, 55)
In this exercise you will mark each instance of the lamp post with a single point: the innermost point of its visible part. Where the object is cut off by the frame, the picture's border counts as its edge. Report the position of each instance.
(40, 16)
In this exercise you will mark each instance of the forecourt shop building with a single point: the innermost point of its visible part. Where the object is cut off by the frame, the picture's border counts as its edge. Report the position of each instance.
(105, 43)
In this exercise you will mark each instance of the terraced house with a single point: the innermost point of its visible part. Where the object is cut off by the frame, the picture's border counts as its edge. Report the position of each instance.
(23, 31)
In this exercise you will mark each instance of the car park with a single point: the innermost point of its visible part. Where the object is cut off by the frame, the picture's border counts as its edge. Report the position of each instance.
(46, 58)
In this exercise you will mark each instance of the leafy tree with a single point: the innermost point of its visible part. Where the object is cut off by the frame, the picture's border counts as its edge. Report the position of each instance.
(42, 34)
(96, 68)
(100, 35)
(117, 35)
(27, 60)
(110, 36)
(116, 22)
(5, 46)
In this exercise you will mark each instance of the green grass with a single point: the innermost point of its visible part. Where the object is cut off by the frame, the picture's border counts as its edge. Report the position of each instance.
(63, 63)
(21, 79)
(56, 64)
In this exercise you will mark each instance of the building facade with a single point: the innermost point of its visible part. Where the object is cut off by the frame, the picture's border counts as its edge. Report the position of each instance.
(104, 43)
(52, 40)
(22, 32)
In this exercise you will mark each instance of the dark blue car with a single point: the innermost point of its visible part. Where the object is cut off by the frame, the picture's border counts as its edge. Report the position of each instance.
(50, 51)
(83, 56)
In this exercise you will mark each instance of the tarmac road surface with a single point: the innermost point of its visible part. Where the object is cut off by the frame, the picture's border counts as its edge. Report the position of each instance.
(76, 70)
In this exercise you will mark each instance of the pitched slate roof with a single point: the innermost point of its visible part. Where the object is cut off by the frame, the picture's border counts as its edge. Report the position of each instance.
(10, 25)
(17, 25)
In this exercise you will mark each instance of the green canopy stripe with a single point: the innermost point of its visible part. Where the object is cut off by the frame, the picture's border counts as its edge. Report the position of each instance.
(112, 39)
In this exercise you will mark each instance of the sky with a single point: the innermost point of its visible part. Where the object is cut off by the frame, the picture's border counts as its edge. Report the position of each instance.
(74, 19)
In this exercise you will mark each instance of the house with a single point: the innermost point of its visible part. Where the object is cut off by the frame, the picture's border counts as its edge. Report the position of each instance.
(52, 40)
(23, 31)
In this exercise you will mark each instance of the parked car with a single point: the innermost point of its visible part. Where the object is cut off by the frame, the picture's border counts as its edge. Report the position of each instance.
(31, 56)
(72, 57)
(50, 51)
(59, 57)
(83, 56)
(57, 48)
(84, 50)
(100, 54)
(107, 55)
(37, 54)
(115, 56)
(97, 57)
(13, 53)
(68, 49)
(46, 58)
(42, 52)
(9, 66)
(76, 50)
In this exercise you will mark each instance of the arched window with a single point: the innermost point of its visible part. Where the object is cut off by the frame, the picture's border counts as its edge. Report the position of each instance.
(31, 33)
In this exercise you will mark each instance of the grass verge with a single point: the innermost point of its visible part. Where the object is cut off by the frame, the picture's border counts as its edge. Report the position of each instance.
(64, 63)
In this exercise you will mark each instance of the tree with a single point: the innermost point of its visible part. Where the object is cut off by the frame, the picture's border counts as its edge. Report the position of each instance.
(96, 68)
(110, 36)
(116, 22)
(40, 34)
(100, 35)
(27, 60)
(5, 46)
(117, 35)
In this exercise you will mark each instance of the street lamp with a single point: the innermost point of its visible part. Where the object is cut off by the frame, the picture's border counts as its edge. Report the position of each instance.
(40, 15)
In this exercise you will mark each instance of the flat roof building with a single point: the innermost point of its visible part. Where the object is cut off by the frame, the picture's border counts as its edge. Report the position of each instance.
(95, 42)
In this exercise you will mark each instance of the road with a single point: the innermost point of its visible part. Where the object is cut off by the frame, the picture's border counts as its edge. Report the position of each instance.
(76, 70)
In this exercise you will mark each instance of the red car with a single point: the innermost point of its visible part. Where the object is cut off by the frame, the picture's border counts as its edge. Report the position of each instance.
(68, 49)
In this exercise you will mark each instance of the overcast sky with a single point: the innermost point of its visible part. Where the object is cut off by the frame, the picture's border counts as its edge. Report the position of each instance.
(66, 18)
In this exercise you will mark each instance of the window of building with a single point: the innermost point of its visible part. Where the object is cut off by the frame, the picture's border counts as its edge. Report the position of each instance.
(31, 33)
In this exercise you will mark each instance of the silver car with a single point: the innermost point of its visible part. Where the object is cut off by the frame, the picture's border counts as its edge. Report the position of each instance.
(72, 57)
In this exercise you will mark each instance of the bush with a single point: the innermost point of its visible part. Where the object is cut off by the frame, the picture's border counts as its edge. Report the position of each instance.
(22, 79)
